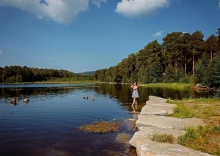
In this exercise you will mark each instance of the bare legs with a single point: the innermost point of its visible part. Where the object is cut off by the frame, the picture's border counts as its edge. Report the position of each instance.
(134, 103)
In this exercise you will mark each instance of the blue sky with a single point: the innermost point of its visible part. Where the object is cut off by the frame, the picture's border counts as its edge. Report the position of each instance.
(86, 35)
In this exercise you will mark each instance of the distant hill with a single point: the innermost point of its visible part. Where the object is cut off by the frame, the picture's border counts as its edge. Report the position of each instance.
(87, 73)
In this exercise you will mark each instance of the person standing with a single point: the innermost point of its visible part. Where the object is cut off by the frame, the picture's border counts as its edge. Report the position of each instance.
(134, 95)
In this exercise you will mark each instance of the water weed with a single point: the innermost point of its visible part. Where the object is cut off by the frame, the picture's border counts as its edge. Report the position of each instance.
(101, 127)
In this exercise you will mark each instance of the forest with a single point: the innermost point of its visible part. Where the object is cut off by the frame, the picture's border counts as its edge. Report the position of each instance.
(181, 57)
(18, 74)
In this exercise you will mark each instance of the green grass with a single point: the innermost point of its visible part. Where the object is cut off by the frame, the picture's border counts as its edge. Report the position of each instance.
(165, 138)
(172, 101)
(199, 138)
(168, 85)
(203, 138)
(199, 107)
(182, 111)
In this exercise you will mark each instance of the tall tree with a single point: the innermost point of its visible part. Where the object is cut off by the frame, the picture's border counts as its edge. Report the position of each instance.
(197, 45)
(171, 44)
(185, 46)
(211, 45)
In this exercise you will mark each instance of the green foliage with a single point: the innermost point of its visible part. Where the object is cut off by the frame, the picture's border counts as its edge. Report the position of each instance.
(155, 72)
(179, 86)
(181, 111)
(198, 138)
(192, 79)
(142, 75)
(17, 74)
(182, 57)
(213, 72)
(169, 75)
(200, 72)
(180, 76)
(165, 138)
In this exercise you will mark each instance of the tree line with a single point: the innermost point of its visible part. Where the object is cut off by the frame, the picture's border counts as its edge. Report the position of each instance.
(181, 57)
(18, 74)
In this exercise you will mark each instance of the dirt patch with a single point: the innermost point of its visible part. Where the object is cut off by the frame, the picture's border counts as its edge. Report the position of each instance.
(214, 120)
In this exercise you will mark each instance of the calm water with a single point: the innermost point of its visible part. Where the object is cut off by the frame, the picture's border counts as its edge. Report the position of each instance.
(48, 124)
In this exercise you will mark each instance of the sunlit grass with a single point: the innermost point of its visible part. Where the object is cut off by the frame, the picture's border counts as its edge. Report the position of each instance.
(165, 138)
(200, 139)
(182, 111)
(204, 138)
(168, 85)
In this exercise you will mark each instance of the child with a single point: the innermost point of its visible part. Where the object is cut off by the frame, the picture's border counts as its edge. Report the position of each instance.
(134, 95)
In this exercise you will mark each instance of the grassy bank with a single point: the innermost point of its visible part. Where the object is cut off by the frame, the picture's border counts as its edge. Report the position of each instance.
(203, 138)
(167, 85)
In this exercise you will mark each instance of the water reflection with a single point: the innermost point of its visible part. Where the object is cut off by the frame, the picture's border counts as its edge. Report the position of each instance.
(48, 123)
(116, 91)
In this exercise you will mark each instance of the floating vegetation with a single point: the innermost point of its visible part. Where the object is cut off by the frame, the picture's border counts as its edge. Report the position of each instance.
(101, 127)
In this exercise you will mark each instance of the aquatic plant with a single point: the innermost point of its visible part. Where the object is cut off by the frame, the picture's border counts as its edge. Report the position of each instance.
(101, 127)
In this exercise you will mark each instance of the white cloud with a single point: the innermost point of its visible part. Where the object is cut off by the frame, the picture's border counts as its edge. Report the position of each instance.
(137, 8)
(98, 2)
(1, 52)
(60, 11)
(158, 34)
(219, 4)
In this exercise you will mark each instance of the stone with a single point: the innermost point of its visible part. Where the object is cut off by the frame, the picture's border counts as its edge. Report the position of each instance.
(162, 109)
(146, 147)
(147, 132)
(167, 122)
(152, 120)
(157, 99)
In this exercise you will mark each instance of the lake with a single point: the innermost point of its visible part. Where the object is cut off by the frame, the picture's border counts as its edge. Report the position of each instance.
(49, 123)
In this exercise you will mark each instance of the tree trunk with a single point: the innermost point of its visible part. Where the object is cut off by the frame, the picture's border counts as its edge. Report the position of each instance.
(193, 67)
(185, 62)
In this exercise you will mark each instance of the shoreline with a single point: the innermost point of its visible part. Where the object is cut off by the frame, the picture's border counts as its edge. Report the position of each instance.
(153, 120)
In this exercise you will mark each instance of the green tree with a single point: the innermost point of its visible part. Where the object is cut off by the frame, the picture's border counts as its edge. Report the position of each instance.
(155, 72)
(200, 72)
(213, 72)
(185, 48)
(170, 44)
(197, 45)
(211, 46)
(169, 76)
